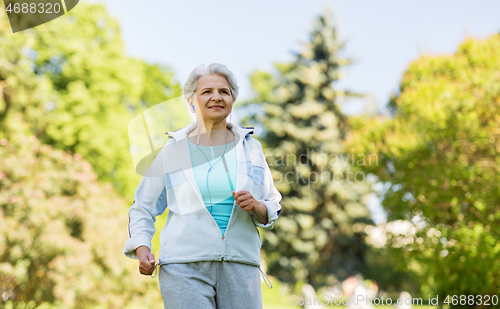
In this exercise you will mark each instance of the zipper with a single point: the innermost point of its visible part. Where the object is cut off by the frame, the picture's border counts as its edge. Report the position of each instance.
(222, 247)
(223, 240)
(223, 237)
(227, 229)
(218, 229)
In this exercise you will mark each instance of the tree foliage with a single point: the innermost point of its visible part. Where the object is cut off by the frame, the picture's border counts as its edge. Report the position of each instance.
(439, 156)
(62, 233)
(319, 237)
(69, 83)
(70, 86)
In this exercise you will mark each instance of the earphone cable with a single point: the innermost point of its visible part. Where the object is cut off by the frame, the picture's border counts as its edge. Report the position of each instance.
(197, 143)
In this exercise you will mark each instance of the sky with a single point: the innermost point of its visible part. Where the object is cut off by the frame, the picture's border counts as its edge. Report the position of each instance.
(382, 37)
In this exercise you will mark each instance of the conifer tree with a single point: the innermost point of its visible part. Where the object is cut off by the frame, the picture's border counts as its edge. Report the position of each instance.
(319, 237)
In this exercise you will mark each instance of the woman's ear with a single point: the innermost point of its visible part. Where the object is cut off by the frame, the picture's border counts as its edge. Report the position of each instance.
(191, 104)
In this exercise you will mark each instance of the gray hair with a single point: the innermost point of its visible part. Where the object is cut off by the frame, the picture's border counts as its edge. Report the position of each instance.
(212, 69)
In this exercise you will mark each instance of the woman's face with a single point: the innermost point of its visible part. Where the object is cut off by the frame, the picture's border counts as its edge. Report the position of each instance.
(213, 100)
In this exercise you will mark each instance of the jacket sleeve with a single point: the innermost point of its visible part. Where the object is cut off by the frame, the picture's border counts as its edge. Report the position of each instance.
(150, 201)
(271, 197)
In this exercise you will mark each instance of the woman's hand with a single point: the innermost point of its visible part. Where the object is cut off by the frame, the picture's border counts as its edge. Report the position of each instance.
(248, 203)
(147, 262)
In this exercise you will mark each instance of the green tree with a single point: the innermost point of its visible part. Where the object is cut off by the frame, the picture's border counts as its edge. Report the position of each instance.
(69, 83)
(319, 237)
(439, 156)
(62, 234)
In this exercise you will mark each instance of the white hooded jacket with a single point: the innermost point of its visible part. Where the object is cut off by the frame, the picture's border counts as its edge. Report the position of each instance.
(191, 234)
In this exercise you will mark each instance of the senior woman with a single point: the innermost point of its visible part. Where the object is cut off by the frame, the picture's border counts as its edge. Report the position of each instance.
(214, 179)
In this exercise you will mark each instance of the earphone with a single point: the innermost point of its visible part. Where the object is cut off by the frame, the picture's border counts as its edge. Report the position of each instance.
(208, 161)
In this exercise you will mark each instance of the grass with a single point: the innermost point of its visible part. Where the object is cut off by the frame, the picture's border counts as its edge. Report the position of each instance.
(275, 298)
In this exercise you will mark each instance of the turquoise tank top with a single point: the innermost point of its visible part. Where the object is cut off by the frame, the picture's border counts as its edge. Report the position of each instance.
(218, 197)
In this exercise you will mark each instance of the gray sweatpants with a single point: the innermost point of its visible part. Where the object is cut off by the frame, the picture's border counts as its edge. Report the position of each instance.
(206, 285)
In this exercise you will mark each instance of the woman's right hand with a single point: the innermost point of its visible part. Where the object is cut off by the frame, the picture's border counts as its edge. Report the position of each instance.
(147, 263)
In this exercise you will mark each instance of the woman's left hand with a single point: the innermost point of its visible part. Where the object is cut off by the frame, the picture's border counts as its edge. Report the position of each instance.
(248, 203)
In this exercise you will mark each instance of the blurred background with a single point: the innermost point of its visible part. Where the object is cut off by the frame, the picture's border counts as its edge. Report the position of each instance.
(385, 115)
